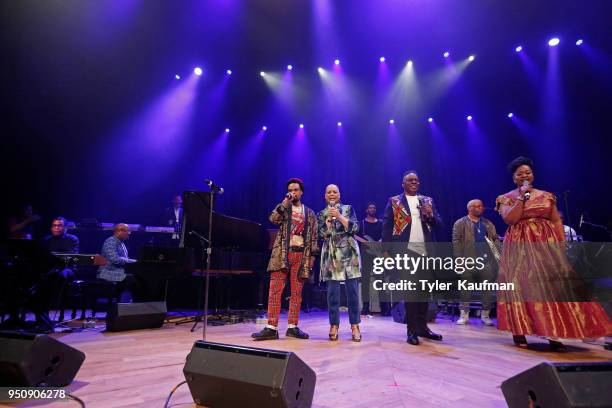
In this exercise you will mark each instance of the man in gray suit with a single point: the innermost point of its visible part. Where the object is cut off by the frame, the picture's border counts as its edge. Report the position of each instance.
(470, 235)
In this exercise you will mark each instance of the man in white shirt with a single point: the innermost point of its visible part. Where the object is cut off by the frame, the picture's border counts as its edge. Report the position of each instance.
(570, 233)
(411, 217)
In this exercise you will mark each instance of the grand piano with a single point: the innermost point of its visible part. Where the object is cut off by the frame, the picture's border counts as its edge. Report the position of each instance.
(239, 254)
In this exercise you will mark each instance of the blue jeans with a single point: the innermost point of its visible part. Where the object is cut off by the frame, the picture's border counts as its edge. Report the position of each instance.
(333, 300)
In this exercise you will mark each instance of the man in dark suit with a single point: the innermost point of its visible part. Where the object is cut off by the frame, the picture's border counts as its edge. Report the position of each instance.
(56, 282)
(412, 218)
(173, 216)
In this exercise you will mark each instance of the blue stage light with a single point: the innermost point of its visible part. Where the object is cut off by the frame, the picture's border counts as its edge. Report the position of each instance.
(430, 120)
(264, 128)
(519, 48)
(301, 126)
(553, 42)
(227, 130)
(337, 62)
(339, 124)
(261, 73)
(510, 115)
(446, 54)
(177, 76)
(228, 72)
(198, 71)
(391, 121)
(469, 117)
(289, 67)
(579, 42)
(382, 59)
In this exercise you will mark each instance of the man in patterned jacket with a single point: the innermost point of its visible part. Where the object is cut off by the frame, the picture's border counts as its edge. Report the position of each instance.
(115, 252)
(411, 218)
(292, 256)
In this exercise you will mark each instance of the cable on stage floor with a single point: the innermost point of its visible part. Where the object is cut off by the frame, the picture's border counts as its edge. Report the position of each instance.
(172, 392)
(77, 399)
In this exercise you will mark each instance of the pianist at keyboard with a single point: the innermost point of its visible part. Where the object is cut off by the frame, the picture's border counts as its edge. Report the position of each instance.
(60, 240)
(52, 290)
(116, 253)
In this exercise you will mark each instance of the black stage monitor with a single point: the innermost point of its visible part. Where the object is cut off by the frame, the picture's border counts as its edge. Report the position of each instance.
(225, 375)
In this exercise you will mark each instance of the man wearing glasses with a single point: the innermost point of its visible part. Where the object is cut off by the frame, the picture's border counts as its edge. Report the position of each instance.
(60, 240)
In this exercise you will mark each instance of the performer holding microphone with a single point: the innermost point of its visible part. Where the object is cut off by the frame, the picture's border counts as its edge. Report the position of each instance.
(292, 255)
(340, 260)
(411, 218)
(547, 299)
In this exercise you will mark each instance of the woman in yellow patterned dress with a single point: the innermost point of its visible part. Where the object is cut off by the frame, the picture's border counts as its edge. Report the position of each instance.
(546, 287)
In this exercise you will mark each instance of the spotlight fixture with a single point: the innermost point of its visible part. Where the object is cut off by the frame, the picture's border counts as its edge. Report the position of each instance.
(382, 59)
(337, 62)
(510, 115)
(553, 42)
(430, 120)
(261, 73)
(391, 121)
(446, 54)
(264, 128)
(471, 58)
(289, 67)
(227, 130)
(301, 126)
(518, 48)
(579, 42)
(469, 117)
(228, 72)
(320, 70)
(198, 71)
(339, 124)
(409, 63)
(177, 76)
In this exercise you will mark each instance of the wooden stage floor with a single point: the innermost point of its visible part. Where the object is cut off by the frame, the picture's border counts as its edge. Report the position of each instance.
(139, 368)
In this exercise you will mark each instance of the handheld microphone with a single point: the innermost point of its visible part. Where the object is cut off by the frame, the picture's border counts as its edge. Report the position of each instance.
(425, 201)
(527, 194)
(289, 196)
(332, 203)
(213, 186)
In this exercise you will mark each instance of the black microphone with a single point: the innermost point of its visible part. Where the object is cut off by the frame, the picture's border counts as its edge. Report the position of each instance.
(289, 196)
(213, 186)
(527, 194)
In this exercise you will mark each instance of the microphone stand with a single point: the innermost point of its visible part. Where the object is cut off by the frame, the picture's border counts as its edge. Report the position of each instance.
(207, 270)
(208, 252)
(567, 214)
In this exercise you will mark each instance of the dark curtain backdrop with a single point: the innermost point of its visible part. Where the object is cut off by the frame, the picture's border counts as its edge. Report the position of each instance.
(94, 125)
